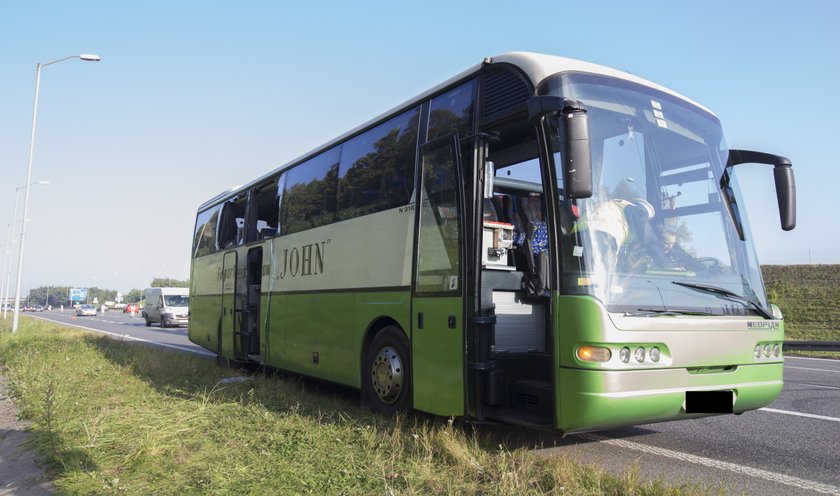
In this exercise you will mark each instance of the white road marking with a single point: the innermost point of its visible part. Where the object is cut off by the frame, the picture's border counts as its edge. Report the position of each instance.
(818, 370)
(700, 460)
(811, 385)
(800, 414)
(131, 338)
(719, 464)
(811, 358)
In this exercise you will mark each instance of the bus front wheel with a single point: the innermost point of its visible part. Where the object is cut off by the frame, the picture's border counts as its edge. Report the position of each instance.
(386, 379)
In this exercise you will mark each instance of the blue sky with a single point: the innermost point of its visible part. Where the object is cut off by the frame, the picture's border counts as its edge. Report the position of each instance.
(191, 98)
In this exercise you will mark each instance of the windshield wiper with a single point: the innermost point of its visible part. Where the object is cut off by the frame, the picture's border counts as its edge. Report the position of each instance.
(656, 312)
(725, 293)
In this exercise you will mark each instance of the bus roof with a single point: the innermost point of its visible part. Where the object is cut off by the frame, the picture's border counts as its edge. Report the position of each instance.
(535, 66)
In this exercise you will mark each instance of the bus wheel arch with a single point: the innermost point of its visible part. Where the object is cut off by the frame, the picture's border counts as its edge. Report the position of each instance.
(386, 369)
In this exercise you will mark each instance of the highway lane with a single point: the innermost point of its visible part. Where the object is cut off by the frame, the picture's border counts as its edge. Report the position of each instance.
(790, 447)
(124, 326)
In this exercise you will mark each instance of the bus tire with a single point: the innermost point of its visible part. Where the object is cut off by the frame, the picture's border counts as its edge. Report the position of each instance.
(148, 322)
(386, 377)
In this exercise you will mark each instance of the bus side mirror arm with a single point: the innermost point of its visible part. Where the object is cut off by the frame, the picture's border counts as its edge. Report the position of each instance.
(783, 175)
(574, 129)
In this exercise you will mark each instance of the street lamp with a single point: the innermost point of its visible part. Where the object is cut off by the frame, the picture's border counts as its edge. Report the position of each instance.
(7, 269)
(87, 57)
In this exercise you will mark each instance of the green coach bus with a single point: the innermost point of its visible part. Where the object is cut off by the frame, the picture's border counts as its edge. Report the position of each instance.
(538, 240)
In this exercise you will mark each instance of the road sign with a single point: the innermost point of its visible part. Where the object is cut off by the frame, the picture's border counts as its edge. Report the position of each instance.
(78, 294)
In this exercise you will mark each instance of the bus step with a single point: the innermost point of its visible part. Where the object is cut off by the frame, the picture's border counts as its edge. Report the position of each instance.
(533, 395)
(519, 417)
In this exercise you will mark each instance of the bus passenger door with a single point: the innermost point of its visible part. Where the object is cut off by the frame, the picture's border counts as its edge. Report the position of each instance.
(227, 328)
(437, 340)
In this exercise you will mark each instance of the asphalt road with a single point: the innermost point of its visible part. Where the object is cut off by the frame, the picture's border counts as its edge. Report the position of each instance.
(124, 326)
(790, 447)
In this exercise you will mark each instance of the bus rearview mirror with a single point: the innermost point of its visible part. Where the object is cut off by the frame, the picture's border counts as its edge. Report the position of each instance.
(782, 174)
(573, 129)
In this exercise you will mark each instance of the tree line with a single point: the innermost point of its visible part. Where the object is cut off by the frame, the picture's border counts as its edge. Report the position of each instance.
(60, 295)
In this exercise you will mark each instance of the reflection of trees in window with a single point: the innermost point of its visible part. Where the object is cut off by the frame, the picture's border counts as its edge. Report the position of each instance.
(625, 190)
(377, 168)
(309, 198)
(204, 240)
(453, 111)
(438, 252)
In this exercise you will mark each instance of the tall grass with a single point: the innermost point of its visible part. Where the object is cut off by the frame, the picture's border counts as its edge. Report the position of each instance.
(807, 296)
(117, 418)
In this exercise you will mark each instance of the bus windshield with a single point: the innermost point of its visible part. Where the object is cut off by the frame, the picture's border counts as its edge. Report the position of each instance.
(656, 236)
(176, 300)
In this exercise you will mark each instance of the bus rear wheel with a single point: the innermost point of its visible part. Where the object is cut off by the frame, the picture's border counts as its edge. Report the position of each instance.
(386, 378)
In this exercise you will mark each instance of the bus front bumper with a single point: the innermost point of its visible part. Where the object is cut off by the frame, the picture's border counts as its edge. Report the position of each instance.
(600, 399)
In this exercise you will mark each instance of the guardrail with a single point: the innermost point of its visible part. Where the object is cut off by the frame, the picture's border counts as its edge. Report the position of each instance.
(812, 345)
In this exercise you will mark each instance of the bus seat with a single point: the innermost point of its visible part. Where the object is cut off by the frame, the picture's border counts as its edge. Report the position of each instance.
(536, 231)
(509, 205)
(536, 243)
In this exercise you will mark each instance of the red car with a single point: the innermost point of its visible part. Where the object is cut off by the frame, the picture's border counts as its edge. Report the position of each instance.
(131, 307)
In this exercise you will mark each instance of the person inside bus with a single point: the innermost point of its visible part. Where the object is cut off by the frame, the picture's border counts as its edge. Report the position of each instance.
(674, 253)
(622, 234)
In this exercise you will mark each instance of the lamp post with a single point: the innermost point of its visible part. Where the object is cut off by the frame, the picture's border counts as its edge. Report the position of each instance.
(86, 57)
(7, 273)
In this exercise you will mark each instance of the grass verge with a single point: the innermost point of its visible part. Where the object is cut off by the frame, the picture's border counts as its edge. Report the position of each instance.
(807, 296)
(117, 418)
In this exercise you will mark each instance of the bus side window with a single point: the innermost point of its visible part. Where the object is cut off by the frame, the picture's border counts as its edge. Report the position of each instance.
(266, 211)
(281, 185)
(453, 111)
(232, 223)
(310, 192)
(377, 168)
(204, 240)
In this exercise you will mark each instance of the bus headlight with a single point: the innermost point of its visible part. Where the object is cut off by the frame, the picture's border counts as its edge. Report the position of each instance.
(757, 351)
(624, 354)
(767, 351)
(654, 354)
(639, 354)
(776, 350)
(594, 354)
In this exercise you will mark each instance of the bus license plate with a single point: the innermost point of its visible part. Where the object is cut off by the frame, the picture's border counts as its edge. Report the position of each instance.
(708, 402)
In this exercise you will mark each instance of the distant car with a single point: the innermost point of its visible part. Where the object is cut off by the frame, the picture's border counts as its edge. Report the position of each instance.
(131, 307)
(86, 310)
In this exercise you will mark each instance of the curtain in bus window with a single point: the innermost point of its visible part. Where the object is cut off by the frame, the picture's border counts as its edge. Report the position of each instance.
(377, 168)
(267, 211)
(232, 223)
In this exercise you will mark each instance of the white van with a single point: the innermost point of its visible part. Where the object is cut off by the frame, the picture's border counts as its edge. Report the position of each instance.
(167, 306)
